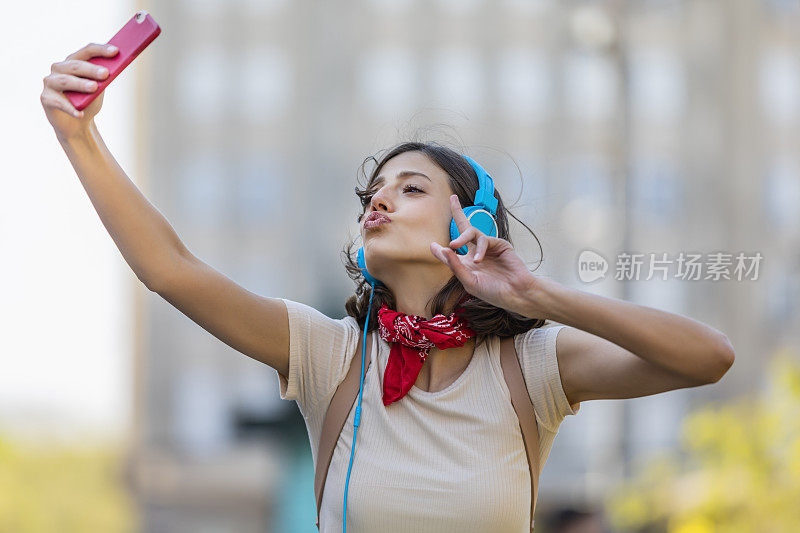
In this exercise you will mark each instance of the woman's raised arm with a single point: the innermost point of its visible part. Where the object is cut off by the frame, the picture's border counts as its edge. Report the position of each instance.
(254, 325)
(147, 241)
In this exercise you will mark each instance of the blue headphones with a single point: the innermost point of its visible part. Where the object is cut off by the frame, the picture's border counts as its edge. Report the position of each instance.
(481, 215)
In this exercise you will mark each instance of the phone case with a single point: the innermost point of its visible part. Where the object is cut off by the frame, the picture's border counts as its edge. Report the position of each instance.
(131, 39)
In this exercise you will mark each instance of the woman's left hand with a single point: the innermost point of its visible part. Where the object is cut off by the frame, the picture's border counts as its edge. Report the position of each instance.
(491, 270)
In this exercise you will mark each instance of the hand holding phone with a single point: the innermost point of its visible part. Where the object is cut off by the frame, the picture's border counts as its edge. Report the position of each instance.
(73, 91)
(131, 39)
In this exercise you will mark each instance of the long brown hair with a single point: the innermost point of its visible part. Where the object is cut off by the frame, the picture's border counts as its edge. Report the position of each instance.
(484, 318)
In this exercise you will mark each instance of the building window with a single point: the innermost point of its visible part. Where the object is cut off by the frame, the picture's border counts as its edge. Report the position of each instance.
(524, 84)
(265, 90)
(656, 189)
(779, 84)
(782, 193)
(587, 216)
(591, 86)
(457, 79)
(255, 395)
(783, 7)
(387, 78)
(260, 190)
(783, 293)
(590, 178)
(202, 75)
(658, 85)
(656, 421)
(202, 190)
(198, 390)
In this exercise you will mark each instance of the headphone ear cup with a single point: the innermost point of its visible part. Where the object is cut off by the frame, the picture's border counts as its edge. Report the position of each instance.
(478, 217)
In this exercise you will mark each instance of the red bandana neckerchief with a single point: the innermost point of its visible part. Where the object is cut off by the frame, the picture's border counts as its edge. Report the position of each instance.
(412, 337)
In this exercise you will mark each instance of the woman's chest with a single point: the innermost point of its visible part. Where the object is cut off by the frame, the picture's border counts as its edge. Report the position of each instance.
(432, 463)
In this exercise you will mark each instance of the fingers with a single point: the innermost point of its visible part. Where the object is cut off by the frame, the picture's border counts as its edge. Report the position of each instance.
(465, 237)
(482, 242)
(71, 75)
(472, 237)
(458, 214)
(56, 84)
(57, 100)
(94, 50)
(451, 259)
(436, 250)
(66, 82)
(77, 68)
(480, 249)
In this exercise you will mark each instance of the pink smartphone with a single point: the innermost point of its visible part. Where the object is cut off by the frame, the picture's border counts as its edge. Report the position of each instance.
(131, 39)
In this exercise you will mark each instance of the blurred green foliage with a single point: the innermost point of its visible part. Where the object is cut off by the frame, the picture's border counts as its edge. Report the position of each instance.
(738, 469)
(51, 487)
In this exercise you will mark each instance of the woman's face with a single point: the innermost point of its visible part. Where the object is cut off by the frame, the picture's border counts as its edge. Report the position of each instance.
(418, 205)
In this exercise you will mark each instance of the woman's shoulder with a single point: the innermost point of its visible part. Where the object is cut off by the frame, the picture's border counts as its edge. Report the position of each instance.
(305, 316)
(320, 351)
(536, 351)
(537, 336)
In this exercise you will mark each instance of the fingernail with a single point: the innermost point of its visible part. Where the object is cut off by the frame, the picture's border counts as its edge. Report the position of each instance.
(111, 48)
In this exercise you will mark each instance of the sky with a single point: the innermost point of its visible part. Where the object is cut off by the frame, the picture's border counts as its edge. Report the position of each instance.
(65, 320)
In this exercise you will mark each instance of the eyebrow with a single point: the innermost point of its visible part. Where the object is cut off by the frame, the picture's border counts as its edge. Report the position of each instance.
(403, 174)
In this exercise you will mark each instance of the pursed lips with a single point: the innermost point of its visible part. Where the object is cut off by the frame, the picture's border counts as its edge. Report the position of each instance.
(376, 221)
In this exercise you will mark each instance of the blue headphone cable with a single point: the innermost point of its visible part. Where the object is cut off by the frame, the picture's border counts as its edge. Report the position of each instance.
(357, 417)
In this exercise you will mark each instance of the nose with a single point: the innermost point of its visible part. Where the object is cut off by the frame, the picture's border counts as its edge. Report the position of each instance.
(378, 202)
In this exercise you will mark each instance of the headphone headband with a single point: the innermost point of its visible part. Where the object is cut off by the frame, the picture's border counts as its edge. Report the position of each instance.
(484, 197)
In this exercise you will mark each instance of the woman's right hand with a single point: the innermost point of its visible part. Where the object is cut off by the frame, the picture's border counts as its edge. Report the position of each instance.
(75, 73)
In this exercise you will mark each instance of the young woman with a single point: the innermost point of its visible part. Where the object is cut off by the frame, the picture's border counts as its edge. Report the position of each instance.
(439, 446)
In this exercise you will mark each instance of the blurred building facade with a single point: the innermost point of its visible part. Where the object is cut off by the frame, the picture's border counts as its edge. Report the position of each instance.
(652, 126)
